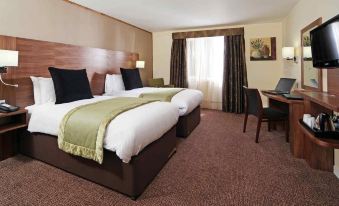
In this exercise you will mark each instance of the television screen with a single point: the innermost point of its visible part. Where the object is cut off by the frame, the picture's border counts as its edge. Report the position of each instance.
(325, 44)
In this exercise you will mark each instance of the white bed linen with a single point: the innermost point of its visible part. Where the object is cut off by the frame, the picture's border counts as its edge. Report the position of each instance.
(186, 100)
(126, 135)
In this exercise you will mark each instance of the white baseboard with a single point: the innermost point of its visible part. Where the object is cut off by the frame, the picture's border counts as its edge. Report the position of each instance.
(336, 170)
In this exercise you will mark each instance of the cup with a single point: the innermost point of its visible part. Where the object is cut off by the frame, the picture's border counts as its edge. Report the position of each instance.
(309, 120)
(306, 116)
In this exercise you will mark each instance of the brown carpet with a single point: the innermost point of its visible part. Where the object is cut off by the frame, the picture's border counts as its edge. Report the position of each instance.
(216, 165)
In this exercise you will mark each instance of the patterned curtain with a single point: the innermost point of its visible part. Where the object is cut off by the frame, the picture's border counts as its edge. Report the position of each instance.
(178, 64)
(235, 74)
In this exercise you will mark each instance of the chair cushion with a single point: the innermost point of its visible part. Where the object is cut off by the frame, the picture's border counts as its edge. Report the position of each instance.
(169, 86)
(271, 113)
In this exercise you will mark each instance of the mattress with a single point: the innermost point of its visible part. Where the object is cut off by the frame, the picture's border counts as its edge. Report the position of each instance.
(186, 100)
(126, 135)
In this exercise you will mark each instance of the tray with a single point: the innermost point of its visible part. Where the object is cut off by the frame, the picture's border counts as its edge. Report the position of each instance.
(323, 135)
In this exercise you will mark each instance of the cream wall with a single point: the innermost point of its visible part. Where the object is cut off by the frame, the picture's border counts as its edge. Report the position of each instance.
(162, 42)
(261, 74)
(59, 21)
(305, 12)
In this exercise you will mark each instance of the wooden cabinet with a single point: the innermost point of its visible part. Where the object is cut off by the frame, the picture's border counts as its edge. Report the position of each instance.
(10, 125)
(319, 152)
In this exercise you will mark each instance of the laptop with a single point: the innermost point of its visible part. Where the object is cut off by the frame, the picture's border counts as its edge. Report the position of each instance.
(293, 96)
(284, 86)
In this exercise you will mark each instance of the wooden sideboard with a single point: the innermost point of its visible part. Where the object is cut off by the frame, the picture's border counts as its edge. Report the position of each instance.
(319, 152)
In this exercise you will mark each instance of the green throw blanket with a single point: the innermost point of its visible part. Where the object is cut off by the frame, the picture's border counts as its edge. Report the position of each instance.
(164, 96)
(83, 129)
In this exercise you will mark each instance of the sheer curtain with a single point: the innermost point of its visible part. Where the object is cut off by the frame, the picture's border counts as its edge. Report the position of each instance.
(205, 65)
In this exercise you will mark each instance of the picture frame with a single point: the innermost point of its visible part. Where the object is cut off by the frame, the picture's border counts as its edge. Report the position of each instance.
(263, 49)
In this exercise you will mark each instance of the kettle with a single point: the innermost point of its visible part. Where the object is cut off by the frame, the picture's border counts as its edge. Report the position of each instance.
(324, 123)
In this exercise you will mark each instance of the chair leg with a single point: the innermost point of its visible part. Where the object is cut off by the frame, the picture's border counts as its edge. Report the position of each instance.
(274, 125)
(258, 130)
(287, 130)
(245, 122)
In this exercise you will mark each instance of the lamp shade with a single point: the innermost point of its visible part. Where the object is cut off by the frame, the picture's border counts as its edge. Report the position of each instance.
(288, 52)
(140, 64)
(307, 52)
(9, 58)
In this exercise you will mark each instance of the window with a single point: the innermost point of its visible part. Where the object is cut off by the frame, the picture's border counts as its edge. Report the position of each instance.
(205, 65)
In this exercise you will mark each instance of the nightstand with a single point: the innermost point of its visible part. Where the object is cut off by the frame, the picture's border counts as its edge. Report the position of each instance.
(10, 125)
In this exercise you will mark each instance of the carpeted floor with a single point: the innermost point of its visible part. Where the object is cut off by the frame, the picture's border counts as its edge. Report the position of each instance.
(216, 165)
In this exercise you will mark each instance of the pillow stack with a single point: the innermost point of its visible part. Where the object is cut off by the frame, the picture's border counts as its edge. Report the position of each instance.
(64, 86)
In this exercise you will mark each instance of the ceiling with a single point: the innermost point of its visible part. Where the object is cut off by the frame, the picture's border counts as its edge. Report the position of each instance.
(162, 15)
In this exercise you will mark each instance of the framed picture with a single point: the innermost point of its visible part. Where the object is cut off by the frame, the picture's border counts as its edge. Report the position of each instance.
(263, 49)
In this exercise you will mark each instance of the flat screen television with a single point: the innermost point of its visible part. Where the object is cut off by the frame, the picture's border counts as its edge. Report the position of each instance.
(325, 44)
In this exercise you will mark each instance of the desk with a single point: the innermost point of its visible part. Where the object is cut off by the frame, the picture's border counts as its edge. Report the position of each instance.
(295, 109)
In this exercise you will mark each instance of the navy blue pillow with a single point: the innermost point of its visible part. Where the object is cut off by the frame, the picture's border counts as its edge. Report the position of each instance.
(131, 78)
(70, 85)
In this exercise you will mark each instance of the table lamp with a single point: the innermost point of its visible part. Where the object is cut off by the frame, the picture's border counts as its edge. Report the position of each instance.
(140, 64)
(307, 53)
(8, 58)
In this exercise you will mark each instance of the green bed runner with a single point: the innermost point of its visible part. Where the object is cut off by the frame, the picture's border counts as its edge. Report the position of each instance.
(83, 129)
(164, 96)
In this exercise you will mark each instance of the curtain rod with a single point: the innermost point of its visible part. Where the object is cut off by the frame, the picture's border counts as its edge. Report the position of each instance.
(208, 33)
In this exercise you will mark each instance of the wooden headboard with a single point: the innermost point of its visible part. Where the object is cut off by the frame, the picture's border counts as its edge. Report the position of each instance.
(36, 56)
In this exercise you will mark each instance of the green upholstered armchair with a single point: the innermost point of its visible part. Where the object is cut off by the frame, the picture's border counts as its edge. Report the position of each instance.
(158, 82)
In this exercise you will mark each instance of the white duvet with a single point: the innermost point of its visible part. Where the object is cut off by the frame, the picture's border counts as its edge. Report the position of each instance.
(126, 135)
(186, 100)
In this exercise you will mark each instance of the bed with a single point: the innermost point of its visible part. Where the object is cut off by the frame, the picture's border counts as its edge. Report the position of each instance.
(188, 102)
(35, 57)
(133, 153)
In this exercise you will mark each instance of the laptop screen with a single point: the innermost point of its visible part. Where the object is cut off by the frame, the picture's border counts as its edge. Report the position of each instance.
(285, 84)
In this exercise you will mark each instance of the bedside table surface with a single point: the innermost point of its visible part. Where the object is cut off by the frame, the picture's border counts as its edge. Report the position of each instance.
(20, 111)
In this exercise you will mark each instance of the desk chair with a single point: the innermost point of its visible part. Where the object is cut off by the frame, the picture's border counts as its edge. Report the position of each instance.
(253, 106)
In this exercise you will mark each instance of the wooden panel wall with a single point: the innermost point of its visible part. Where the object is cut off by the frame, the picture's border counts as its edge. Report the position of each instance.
(36, 56)
(333, 81)
(8, 93)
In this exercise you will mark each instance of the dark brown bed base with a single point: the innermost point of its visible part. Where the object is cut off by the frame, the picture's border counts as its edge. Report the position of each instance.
(188, 123)
(130, 179)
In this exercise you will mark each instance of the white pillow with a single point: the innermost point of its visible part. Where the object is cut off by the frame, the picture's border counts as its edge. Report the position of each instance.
(36, 89)
(43, 89)
(114, 83)
(47, 92)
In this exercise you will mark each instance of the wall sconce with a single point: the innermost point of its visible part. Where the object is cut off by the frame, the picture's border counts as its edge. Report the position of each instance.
(140, 64)
(307, 53)
(8, 59)
(288, 54)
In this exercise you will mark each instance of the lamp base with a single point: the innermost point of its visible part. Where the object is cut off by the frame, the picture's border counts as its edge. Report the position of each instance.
(3, 70)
